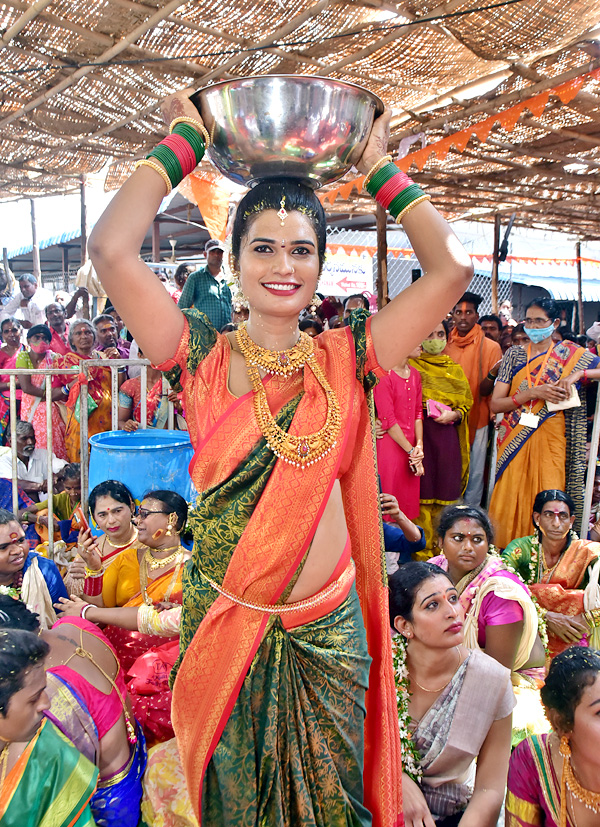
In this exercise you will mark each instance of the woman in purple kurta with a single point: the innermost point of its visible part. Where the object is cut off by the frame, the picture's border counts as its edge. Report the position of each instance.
(400, 411)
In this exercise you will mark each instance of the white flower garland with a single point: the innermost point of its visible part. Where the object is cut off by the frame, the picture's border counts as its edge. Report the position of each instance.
(411, 760)
(10, 591)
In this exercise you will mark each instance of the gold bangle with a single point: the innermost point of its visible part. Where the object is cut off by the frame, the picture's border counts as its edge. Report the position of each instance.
(93, 572)
(200, 126)
(146, 162)
(387, 159)
(411, 206)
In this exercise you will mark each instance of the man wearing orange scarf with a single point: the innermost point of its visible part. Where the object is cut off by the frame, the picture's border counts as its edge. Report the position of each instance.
(477, 355)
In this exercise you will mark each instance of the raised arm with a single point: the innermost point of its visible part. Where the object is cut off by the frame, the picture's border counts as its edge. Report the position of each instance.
(447, 270)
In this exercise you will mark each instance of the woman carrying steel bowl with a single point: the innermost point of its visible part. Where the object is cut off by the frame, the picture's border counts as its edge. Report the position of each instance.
(285, 677)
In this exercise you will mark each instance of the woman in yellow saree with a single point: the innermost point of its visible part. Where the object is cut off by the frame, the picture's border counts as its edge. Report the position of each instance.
(284, 621)
(43, 778)
(539, 447)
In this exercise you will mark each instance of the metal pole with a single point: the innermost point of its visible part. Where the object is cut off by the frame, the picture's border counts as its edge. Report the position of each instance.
(591, 471)
(382, 279)
(37, 270)
(12, 383)
(495, 263)
(83, 438)
(50, 488)
(114, 384)
(579, 289)
(493, 459)
(144, 397)
(166, 388)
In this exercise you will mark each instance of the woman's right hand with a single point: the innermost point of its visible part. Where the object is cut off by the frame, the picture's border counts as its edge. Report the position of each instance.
(70, 608)
(447, 418)
(416, 811)
(77, 569)
(131, 425)
(551, 393)
(88, 549)
(376, 147)
(569, 629)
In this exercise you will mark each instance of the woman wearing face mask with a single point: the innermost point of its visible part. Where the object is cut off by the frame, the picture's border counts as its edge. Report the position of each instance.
(33, 403)
(445, 431)
(539, 447)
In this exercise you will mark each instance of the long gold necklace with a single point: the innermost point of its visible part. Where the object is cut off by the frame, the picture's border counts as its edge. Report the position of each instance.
(281, 362)
(144, 578)
(299, 451)
(127, 543)
(161, 562)
(424, 688)
(4, 762)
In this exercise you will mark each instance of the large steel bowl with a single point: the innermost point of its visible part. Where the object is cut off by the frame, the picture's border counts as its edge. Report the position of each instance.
(296, 126)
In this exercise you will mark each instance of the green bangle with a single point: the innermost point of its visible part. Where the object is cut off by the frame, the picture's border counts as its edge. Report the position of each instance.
(194, 139)
(404, 198)
(169, 161)
(379, 179)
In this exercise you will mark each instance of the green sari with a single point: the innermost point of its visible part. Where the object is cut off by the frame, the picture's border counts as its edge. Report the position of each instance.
(50, 785)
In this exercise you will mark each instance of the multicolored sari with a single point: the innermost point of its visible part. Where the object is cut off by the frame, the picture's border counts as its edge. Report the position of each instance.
(50, 785)
(562, 588)
(241, 670)
(549, 456)
(533, 796)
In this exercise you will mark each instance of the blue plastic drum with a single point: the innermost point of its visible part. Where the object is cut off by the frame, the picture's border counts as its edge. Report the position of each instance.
(143, 460)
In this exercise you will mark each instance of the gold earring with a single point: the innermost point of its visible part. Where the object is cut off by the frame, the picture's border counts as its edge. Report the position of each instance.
(171, 524)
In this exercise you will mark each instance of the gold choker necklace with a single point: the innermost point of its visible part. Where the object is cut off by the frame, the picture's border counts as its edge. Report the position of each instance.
(160, 563)
(299, 451)
(121, 545)
(281, 362)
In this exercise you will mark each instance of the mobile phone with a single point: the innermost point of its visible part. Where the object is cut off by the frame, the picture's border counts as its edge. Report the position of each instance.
(81, 519)
(379, 483)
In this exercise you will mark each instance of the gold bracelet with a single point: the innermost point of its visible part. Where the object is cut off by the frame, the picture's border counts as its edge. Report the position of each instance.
(411, 206)
(93, 572)
(146, 162)
(200, 126)
(593, 617)
(387, 159)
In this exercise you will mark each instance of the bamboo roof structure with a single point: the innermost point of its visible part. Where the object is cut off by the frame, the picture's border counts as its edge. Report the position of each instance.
(81, 82)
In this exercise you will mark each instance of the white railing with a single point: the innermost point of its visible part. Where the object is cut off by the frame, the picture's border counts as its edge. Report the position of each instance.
(84, 367)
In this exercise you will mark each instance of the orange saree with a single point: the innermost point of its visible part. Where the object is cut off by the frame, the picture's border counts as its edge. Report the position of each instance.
(264, 513)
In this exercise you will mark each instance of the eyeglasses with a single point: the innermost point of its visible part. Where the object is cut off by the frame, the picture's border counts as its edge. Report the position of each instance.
(537, 322)
(142, 513)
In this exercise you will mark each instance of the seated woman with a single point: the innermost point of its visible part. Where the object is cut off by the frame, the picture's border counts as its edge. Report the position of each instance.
(452, 723)
(87, 694)
(64, 504)
(554, 780)
(150, 574)
(556, 565)
(130, 401)
(33, 578)
(500, 616)
(112, 507)
(43, 778)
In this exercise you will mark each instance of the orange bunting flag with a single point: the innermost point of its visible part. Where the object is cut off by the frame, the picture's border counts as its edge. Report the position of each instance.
(537, 104)
(567, 91)
(213, 203)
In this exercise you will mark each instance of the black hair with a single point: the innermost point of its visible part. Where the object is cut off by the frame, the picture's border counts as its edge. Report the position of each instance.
(229, 327)
(470, 298)
(311, 321)
(568, 335)
(19, 652)
(40, 329)
(491, 317)
(182, 270)
(173, 502)
(518, 328)
(102, 317)
(583, 340)
(404, 584)
(14, 614)
(452, 513)
(7, 517)
(549, 307)
(110, 488)
(12, 320)
(71, 471)
(267, 195)
(360, 296)
(446, 326)
(552, 495)
(570, 673)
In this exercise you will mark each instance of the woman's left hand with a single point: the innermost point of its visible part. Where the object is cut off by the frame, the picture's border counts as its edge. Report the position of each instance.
(447, 418)
(376, 146)
(179, 105)
(567, 381)
(417, 467)
(417, 453)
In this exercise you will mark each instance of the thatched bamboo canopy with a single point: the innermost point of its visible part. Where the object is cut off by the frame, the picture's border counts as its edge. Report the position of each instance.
(81, 82)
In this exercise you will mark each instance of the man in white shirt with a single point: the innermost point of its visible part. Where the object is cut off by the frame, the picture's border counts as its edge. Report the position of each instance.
(31, 461)
(29, 303)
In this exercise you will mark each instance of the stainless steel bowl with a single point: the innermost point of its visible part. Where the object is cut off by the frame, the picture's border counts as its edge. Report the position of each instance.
(297, 126)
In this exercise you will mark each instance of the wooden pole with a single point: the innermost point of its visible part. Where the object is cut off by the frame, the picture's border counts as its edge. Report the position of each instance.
(83, 220)
(382, 282)
(37, 270)
(64, 253)
(155, 240)
(10, 279)
(579, 289)
(495, 263)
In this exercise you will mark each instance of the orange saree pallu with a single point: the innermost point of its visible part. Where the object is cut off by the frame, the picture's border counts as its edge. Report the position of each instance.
(535, 459)
(271, 715)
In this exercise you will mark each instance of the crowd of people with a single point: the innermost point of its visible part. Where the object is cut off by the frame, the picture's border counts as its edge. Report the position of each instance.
(337, 631)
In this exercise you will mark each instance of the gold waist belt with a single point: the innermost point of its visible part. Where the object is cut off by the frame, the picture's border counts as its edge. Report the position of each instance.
(283, 608)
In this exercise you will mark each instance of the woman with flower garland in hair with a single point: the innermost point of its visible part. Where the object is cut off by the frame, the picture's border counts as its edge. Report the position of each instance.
(500, 616)
(277, 652)
(456, 738)
(561, 571)
(554, 780)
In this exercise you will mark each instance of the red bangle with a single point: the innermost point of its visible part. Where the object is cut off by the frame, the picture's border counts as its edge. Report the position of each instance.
(518, 404)
(585, 376)
(184, 152)
(92, 586)
(388, 191)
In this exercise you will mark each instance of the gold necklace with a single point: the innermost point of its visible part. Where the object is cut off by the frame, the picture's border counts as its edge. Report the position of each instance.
(589, 799)
(161, 562)
(299, 451)
(4, 762)
(121, 545)
(144, 579)
(281, 362)
(447, 682)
